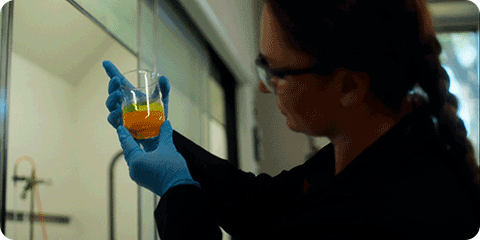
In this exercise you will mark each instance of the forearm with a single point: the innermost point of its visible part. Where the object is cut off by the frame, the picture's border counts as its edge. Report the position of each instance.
(184, 213)
(233, 194)
(219, 178)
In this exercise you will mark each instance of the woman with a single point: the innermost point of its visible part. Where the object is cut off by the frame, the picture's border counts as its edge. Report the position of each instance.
(398, 166)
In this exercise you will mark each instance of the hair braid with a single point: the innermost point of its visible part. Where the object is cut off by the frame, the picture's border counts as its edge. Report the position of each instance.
(444, 107)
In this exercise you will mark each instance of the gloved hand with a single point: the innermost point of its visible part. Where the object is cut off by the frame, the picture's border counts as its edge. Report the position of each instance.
(160, 167)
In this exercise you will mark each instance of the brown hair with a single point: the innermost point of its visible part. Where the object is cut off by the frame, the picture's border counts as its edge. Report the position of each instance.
(393, 38)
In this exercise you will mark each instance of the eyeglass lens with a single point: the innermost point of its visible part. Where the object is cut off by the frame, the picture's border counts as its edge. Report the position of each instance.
(265, 78)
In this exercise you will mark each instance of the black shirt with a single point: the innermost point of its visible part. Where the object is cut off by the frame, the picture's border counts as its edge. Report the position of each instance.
(400, 187)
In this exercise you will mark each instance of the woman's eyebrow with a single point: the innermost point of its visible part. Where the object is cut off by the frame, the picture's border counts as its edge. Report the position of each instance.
(270, 62)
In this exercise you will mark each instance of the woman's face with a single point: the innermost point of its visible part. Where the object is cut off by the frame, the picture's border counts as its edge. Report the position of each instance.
(310, 102)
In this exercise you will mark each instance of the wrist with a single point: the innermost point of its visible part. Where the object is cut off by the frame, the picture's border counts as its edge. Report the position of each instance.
(178, 183)
(186, 181)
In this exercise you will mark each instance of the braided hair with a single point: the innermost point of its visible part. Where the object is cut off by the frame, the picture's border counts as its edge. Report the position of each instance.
(394, 42)
(444, 106)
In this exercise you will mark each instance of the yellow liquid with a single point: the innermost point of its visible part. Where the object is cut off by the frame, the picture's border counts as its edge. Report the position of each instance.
(140, 123)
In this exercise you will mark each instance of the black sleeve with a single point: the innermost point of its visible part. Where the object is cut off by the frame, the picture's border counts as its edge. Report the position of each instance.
(184, 213)
(243, 204)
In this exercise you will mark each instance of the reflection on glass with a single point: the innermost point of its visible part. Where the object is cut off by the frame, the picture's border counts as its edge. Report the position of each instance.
(119, 19)
(459, 57)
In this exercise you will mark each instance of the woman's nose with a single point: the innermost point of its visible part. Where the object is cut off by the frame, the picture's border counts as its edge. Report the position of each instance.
(262, 88)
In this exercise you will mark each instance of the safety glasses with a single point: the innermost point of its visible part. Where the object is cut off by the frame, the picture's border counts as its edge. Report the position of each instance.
(267, 74)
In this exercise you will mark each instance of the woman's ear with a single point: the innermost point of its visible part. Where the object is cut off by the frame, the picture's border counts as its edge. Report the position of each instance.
(354, 86)
(347, 100)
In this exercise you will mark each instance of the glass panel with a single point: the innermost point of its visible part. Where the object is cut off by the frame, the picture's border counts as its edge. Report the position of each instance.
(184, 116)
(176, 49)
(118, 16)
(2, 111)
(2, 9)
(205, 131)
(125, 198)
(218, 140)
(181, 57)
(175, 60)
(217, 101)
(460, 59)
(182, 54)
(146, 32)
(58, 117)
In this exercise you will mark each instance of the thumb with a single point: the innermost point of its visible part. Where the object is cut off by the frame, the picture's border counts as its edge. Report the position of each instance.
(166, 133)
(129, 145)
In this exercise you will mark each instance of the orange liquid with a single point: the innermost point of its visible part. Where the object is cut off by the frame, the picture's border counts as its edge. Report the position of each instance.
(140, 124)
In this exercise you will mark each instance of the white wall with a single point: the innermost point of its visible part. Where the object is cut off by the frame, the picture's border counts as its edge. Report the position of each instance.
(41, 132)
(64, 128)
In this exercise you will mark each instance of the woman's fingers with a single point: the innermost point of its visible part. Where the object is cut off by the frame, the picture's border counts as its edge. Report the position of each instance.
(111, 70)
(113, 100)
(114, 84)
(164, 86)
(115, 118)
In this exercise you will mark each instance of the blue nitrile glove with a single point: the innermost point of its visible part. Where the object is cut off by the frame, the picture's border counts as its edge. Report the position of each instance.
(162, 166)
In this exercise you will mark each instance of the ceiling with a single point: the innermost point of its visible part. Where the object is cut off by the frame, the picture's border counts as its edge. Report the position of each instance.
(58, 37)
